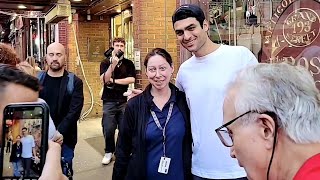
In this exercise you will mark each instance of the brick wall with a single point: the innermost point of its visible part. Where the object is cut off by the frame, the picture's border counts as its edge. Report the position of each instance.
(63, 33)
(153, 28)
(66, 38)
(100, 31)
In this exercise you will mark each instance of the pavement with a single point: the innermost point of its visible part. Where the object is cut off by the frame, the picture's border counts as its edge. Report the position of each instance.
(89, 152)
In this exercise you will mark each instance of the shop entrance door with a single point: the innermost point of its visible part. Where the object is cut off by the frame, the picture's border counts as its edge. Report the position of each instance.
(122, 26)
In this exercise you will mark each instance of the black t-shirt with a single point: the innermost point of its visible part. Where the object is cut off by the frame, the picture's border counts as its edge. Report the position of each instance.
(51, 93)
(124, 69)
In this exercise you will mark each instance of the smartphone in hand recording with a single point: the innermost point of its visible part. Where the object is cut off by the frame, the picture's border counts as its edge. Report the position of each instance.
(119, 54)
(24, 140)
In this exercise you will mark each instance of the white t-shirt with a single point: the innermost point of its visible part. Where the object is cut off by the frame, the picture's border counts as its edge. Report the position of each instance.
(204, 80)
(27, 145)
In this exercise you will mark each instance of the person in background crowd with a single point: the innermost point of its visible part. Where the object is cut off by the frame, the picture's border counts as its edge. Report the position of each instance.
(9, 141)
(15, 157)
(156, 124)
(8, 55)
(65, 104)
(271, 122)
(37, 66)
(116, 77)
(29, 66)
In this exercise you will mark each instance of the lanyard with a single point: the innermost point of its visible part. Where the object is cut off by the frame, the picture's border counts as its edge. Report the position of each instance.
(156, 120)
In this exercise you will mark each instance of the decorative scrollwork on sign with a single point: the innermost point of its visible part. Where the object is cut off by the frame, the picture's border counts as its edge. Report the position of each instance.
(301, 27)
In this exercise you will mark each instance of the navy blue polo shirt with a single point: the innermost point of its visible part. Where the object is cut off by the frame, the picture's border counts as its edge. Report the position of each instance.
(175, 132)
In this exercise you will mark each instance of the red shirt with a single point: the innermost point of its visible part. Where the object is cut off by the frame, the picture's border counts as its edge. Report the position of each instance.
(310, 170)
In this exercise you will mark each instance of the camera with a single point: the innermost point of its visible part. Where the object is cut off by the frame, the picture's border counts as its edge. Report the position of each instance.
(108, 52)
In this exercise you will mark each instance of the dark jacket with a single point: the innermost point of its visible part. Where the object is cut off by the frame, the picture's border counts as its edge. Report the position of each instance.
(131, 151)
(68, 109)
(14, 151)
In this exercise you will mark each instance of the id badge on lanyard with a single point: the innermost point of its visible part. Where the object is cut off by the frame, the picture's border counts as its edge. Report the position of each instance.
(164, 165)
(164, 160)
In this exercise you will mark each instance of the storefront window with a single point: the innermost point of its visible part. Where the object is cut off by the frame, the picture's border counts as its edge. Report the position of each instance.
(237, 23)
(220, 19)
(36, 39)
(122, 26)
(274, 30)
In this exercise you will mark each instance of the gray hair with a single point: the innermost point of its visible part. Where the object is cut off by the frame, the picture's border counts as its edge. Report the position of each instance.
(289, 91)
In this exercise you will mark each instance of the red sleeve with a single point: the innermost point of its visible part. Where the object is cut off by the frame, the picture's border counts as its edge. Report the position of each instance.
(310, 170)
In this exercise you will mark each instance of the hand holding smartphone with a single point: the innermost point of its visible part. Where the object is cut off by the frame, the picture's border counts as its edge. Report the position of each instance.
(28, 124)
(119, 54)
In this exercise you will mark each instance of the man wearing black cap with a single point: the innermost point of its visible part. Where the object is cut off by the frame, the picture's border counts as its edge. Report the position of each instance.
(204, 78)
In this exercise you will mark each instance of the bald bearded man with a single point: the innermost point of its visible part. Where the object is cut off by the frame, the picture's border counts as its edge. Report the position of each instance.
(65, 105)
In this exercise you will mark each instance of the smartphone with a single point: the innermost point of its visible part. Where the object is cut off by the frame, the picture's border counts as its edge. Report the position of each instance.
(24, 140)
(119, 54)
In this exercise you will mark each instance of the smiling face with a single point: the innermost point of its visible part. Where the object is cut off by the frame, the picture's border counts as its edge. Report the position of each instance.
(190, 34)
(24, 132)
(159, 72)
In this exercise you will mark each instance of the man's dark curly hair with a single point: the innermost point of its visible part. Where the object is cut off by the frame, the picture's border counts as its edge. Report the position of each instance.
(8, 55)
(10, 74)
(188, 11)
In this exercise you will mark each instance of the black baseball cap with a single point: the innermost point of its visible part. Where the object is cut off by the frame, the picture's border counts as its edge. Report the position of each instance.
(188, 10)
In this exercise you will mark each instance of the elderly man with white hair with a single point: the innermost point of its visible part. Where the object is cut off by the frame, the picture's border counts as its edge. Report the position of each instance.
(272, 122)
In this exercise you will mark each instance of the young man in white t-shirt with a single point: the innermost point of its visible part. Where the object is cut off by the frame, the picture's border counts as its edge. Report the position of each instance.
(28, 151)
(204, 78)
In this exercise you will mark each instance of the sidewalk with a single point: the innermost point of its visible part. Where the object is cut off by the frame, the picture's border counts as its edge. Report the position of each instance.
(89, 152)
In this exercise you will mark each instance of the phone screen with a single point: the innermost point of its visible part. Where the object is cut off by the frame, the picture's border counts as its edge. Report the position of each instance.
(23, 141)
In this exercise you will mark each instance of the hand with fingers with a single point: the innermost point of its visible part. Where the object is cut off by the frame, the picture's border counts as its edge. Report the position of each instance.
(58, 138)
(132, 93)
(52, 168)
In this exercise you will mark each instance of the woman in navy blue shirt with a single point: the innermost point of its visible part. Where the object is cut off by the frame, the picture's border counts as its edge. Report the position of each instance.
(15, 157)
(155, 135)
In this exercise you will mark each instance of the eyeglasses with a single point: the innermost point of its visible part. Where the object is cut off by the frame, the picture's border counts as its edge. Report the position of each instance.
(224, 133)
